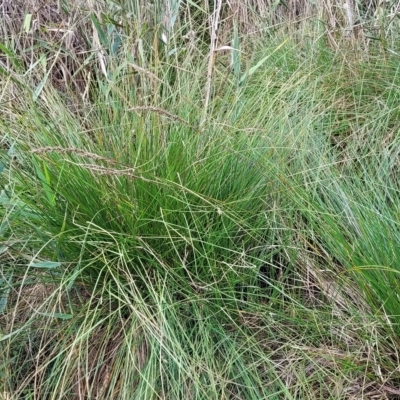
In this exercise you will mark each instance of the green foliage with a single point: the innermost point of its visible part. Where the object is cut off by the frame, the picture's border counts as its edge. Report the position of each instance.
(148, 253)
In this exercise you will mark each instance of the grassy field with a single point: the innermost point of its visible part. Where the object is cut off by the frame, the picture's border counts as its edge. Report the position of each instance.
(199, 200)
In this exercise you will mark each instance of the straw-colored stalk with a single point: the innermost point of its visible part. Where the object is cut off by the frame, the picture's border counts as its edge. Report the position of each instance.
(211, 58)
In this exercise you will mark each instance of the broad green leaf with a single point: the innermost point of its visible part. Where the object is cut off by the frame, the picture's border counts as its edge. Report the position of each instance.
(4, 227)
(27, 23)
(175, 5)
(102, 36)
(46, 264)
(46, 181)
(11, 54)
(236, 51)
(8, 52)
(46, 171)
(40, 87)
(116, 44)
(107, 18)
(43, 61)
(2, 166)
(4, 292)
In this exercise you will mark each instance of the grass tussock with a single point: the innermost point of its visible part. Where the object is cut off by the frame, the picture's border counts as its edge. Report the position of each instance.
(186, 214)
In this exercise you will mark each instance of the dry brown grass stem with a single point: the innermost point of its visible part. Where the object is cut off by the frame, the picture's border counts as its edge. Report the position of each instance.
(92, 167)
(146, 72)
(162, 112)
(211, 57)
(110, 171)
(66, 150)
